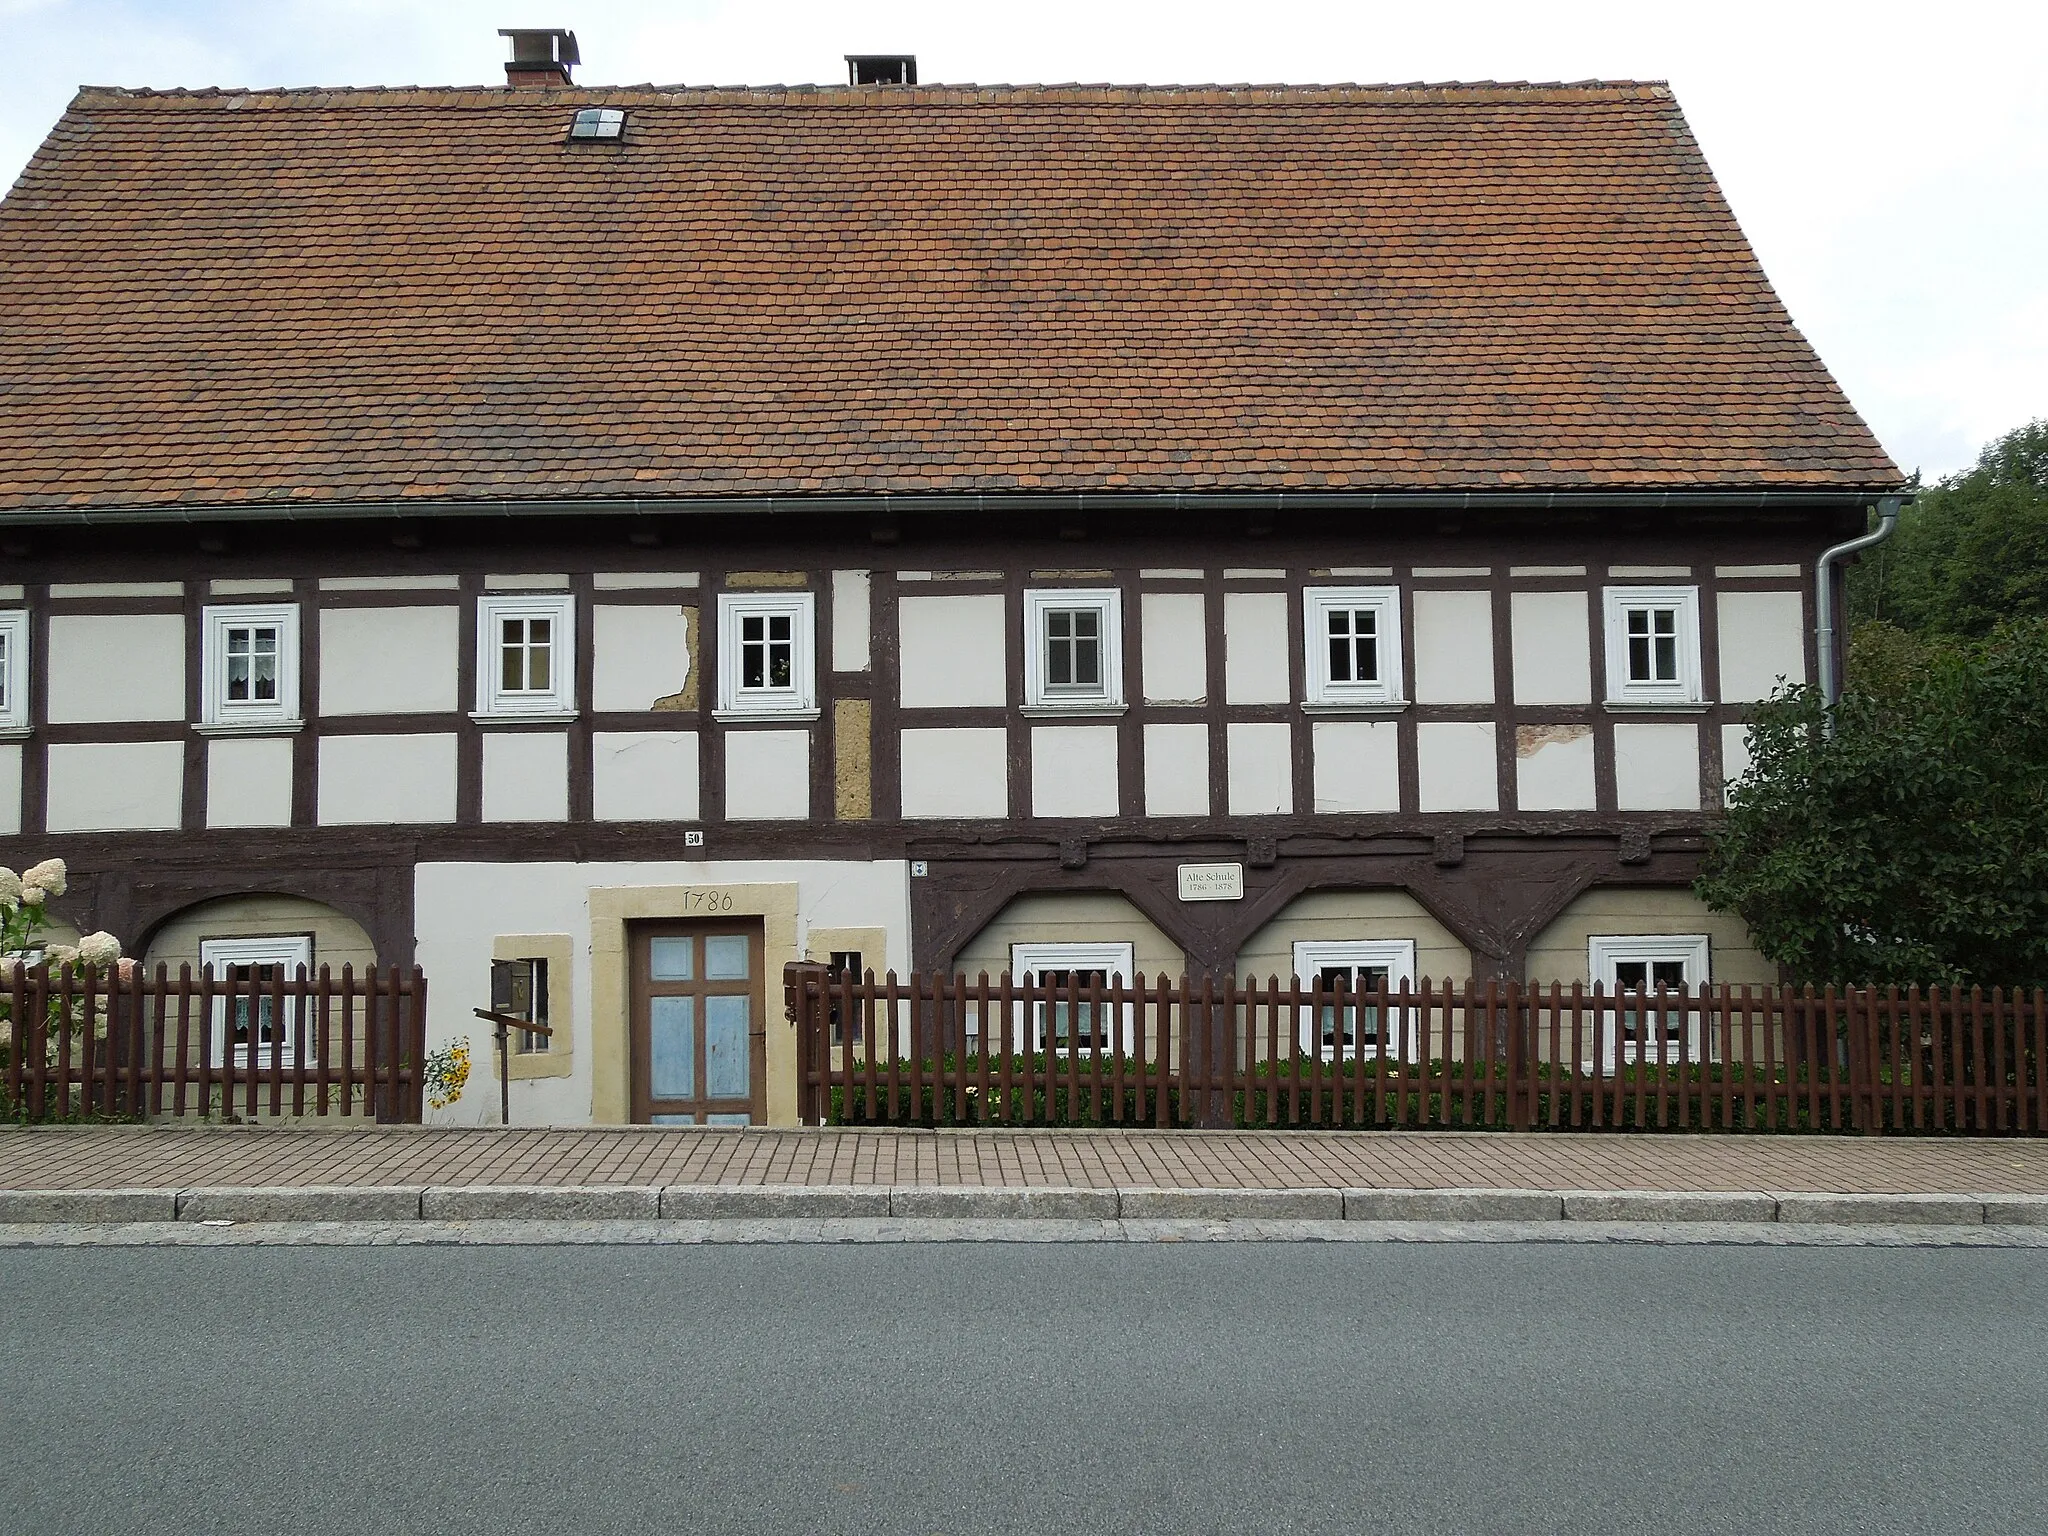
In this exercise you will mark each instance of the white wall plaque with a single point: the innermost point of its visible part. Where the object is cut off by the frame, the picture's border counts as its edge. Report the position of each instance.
(1212, 882)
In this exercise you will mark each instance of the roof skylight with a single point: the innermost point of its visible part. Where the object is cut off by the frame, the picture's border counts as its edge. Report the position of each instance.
(599, 123)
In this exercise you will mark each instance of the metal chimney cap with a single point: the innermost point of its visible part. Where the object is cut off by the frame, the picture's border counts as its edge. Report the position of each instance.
(542, 45)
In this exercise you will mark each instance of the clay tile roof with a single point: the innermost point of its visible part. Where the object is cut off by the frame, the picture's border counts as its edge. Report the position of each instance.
(307, 296)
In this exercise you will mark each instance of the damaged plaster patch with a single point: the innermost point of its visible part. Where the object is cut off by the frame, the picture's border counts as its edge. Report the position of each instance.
(1531, 739)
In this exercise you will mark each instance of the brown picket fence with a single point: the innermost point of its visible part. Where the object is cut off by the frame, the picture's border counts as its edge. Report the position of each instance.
(129, 1045)
(947, 1050)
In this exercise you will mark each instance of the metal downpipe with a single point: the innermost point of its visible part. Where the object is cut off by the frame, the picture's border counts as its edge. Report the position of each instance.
(1824, 594)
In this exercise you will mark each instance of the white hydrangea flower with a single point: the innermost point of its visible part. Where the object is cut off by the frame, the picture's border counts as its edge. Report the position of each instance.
(10, 887)
(31, 895)
(51, 875)
(99, 950)
(60, 955)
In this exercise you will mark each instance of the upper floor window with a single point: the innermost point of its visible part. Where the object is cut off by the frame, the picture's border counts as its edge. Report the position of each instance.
(249, 656)
(1354, 645)
(1073, 650)
(14, 671)
(1653, 645)
(766, 655)
(526, 653)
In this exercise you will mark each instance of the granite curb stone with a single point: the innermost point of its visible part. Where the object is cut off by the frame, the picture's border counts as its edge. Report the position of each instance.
(301, 1202)
(2016, 1210)
(1668, 1205)
(749, 1202)
(997, 1201)
(88, 1205)
(1883, 1210)
(542, 1202)
(1453, 1205)
(1230, 1204)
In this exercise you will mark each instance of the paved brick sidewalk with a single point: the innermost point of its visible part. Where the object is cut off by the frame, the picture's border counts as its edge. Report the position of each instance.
(162, 1157)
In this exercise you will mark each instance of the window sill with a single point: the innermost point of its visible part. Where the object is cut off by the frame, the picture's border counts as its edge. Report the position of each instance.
(16, 732)
(249, 727)
(527, 1066)
(764, 716)
(1658, 706)
(523, 717)
(1385, 707)
(1077, 710)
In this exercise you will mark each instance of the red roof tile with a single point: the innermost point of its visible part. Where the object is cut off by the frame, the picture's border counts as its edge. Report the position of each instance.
(320, 295)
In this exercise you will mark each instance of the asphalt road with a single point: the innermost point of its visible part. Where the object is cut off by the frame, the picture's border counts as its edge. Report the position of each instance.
(959, 1389)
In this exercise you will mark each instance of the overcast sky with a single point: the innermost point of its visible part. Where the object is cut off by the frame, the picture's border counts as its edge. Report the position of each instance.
(1889, 160)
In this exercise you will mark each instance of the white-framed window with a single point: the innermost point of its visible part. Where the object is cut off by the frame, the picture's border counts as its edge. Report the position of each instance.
(767, 656)
(1061, 1024)
(241, 1023)
(1074, 650)
(249, 660)
(1353, 646)
(1358, 966)
(13, 671)
(1640, 964)
(526, 654)
(1653, 645)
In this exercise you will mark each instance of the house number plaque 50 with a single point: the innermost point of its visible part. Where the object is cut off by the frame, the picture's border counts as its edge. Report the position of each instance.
(1212, 882)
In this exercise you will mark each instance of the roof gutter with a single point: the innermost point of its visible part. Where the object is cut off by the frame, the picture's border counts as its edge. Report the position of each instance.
(1824, 599)
(945, 504)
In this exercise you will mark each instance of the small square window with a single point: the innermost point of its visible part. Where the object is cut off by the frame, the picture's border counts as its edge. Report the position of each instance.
(13, 671)
(1341, 1027)
(599, 123)
(1073, 651)
(1354, 646)
(526, 655)
(1079, 1016)
(246, 1019)
(1653, 646)
(250, 661)
(766, 656)
(1638, 964)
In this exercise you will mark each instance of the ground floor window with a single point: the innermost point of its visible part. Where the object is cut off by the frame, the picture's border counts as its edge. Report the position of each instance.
(1349, 968)
(519, 989)
(1639, 964)
(844, 965)
(1075, 1020)
(241, 1021)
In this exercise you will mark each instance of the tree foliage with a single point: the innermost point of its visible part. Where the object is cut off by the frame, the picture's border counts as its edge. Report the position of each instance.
(1912, 844)
(1969, 553)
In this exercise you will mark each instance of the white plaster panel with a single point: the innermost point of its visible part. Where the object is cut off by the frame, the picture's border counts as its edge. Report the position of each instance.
(116, 666)
(526, 776)
(1554, 771)
(387, 779)
(1174, 647)
(1455, 767)
(1259, 768)
(1734, 756)
(644, 775)
(1453, 647)
(116, 786)
(1358, 765)
(956, 772)
(1553, 654)
(850, 621)
(767, 775)
(1177, 770)
(10, 788)
(642, 653)
(1255, 648)
(1657, 767)
(1073, 770)
(249, 781)
(951, 654)
(388, 661)
(1763, 640)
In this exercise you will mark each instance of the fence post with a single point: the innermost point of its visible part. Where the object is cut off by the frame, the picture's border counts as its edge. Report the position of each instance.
(802, 990)
(1521, 1089)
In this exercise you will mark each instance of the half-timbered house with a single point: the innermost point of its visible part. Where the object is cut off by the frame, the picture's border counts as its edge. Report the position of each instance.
(652, 535)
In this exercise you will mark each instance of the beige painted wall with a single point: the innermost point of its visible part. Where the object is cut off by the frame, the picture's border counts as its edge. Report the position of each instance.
(337, 940)
(1331, 916)
(1174, 648)
(1453, 647)
(115, 786)
(1357, 765)
(395, 779)
(1070, 917)
(644, 775)
(116, 666)
(1552, 647)
(1073, 770)
(955, 771)
(1763, 641)
(1259, 767)
(526, 776)
(10, 788)
(1176, 769)
(952, 651)
(641, 655)
(249, 781)
(1256, 648)
(1656, 766)
(1454, 765)
(388, 661)
(1559, 951)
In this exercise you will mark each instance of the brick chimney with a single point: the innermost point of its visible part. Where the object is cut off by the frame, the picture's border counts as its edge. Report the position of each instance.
(541, 57)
